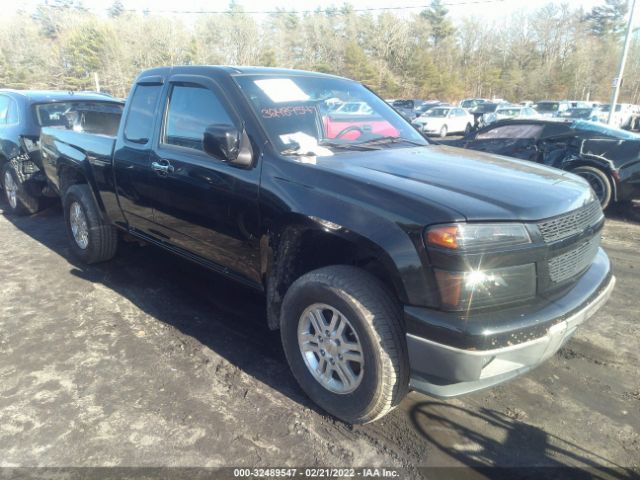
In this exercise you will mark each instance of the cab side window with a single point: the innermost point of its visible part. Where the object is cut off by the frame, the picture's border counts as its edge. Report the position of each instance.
(192, 109)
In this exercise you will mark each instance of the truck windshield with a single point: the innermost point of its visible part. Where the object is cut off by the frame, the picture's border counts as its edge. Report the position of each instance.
(91, 117)
(321, 116)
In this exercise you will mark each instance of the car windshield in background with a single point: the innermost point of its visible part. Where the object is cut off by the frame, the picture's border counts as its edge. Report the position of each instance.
(438, 112)
(425, 107)
(604, 130)
(547, 106)
(509, 112)
(91, 117)
(577, 113)
(403, 104)
(470, 103)
(485, 108)
(321, 116)
(607, 108)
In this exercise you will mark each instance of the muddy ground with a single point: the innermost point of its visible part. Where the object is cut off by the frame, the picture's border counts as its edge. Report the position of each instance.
(151, 361)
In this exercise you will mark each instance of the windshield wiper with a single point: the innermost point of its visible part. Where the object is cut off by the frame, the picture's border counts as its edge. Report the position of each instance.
(389, 139)
(363, 146)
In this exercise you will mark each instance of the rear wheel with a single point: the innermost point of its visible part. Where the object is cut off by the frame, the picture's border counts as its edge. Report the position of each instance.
(343, 339)
(20, 202)
(599, 182)
(91, 240)
(443, 131)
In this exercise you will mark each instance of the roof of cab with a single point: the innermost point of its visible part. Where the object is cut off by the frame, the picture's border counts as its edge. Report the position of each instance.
(39, 96)
(229, 70)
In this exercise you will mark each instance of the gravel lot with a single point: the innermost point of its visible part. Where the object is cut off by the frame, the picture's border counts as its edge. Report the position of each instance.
(151, 361)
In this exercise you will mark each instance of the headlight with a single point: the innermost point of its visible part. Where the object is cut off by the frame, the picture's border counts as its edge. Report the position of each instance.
(486, 288)
(477, 287)
(473, 237)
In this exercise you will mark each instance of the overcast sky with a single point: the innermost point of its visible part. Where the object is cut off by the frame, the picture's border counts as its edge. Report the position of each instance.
(488, 8)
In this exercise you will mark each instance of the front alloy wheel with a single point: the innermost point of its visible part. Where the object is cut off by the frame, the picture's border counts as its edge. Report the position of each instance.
(343, 337)
(330, 348)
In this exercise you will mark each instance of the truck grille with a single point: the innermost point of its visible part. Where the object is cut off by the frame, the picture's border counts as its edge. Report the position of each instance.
(573, 262)
(570, 224)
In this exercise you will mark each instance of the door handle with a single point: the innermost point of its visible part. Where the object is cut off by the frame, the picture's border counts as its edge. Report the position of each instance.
(164, 168)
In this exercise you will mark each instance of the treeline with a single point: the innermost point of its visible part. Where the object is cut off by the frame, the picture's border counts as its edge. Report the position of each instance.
(555, 52)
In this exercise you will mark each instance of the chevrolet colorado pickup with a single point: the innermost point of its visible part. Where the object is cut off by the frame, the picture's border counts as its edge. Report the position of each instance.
(388, 263)
(22, 114)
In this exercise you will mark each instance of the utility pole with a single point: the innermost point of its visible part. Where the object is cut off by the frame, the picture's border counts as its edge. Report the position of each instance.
(96, 80)
(617, 82)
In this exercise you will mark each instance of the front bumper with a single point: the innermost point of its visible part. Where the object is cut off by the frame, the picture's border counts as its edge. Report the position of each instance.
(443, 370)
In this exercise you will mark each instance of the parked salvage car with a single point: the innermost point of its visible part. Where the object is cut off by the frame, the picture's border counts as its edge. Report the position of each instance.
(503, 112)
(443, 121)
(408, 107)
(608, 158)
(480, 110)
(354, 108)
(551, 109)
(22, 114)
(593, 114)
(469, 103)
(625, 115)
(388, 263)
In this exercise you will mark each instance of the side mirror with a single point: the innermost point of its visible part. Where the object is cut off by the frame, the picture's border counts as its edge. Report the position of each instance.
(227, 143)
(222, 141)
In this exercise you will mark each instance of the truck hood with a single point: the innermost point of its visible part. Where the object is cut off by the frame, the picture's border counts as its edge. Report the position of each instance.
(476, 185)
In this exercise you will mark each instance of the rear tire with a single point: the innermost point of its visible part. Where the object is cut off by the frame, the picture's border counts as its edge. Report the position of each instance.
(19, 201)
(91, 240)
(357, 314)
(599, 182)
(443, 131)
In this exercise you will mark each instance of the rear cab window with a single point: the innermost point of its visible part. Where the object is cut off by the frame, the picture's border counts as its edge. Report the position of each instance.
(139, 122)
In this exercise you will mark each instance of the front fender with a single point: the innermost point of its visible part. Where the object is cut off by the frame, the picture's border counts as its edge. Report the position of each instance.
(396, 241)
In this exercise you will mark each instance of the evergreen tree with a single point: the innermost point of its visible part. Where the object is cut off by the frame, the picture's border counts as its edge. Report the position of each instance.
(441, 26)
(608, 20)
(116, 9)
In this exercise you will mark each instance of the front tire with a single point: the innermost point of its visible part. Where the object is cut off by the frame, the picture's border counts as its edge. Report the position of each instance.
(599, 182)
(344, 341)
(19, 201)
(91, 240)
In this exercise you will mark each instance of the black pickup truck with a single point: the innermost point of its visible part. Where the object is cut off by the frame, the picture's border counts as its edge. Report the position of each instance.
(388, 263)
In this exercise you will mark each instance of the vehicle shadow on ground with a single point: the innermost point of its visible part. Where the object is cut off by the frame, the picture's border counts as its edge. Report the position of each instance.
(230, 320)
(211, 310)
(485, 438)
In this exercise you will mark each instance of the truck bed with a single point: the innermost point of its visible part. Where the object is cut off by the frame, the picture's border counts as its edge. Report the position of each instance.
(60, 146)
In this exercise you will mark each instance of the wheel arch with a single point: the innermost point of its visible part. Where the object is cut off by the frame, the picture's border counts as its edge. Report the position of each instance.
(601, 163)
(300, 244)
(72, 173)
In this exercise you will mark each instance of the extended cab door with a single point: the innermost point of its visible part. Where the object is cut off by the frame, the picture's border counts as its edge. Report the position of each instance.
(205, 207)
(135, 182)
